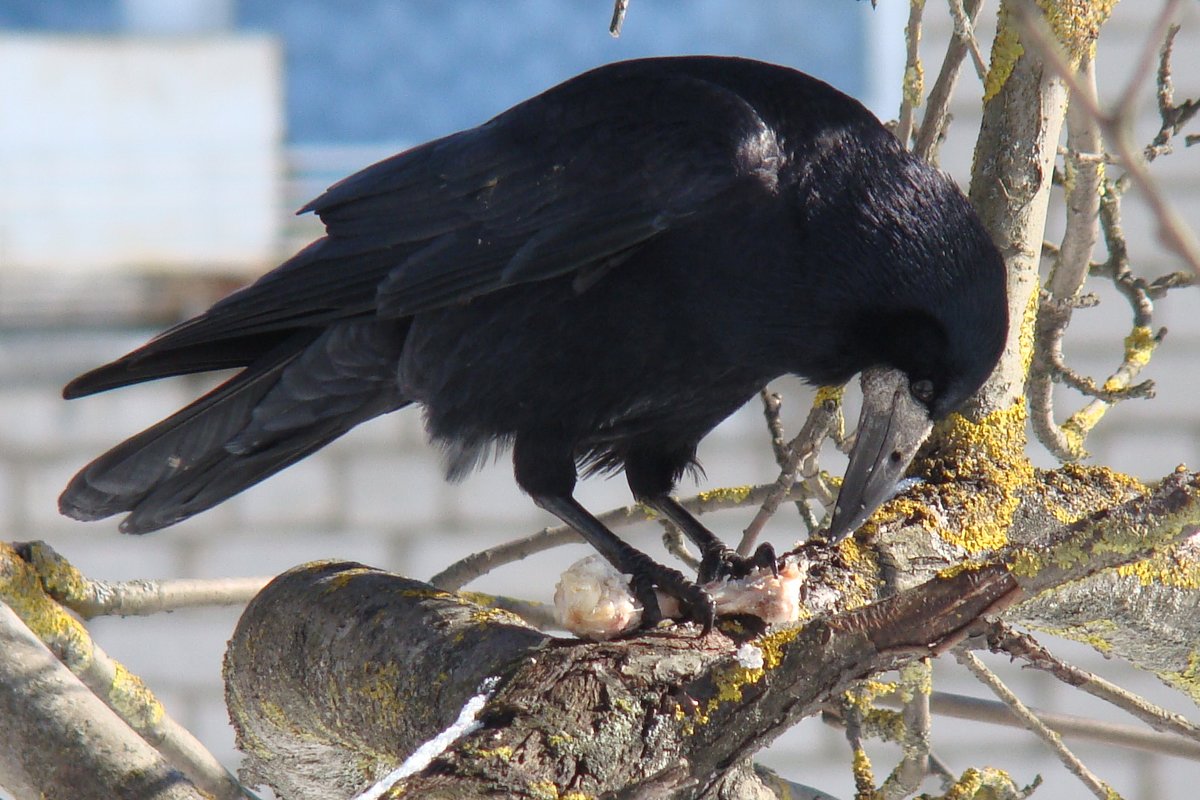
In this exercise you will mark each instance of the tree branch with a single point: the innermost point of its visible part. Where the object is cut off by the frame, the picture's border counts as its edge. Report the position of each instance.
(106, 680)
(371, 665)
(1076, 767)
(61, 741)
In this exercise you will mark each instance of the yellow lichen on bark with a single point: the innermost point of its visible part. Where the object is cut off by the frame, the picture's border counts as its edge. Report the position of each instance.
(980, 471)
(1076, 23)
(1006, 50)
(21, 588)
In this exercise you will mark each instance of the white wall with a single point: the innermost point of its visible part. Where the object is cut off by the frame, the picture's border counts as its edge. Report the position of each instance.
(138, 152)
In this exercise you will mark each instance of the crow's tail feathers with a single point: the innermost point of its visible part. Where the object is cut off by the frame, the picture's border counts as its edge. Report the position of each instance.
(289, 402)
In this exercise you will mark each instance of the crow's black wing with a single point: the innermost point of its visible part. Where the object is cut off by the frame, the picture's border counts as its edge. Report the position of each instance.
(562, 182)
(566, 181)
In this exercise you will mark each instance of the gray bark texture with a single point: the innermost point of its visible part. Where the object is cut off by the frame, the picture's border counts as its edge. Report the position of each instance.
(61, 741)
(337, 672)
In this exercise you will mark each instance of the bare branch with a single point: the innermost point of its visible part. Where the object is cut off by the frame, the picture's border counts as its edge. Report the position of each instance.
(91, 598)
(1003, 639)
(1124, 111)
(914, 73)
(993, 712)
(964, 30)
(937, 116)
(772, 404)
(109, 681)
(44, 753)
(915, 683)
(1174, 117)
(1076, 767)
(1069, 272)
(618, 17)
(675, 544)
(1172, 228)
(824, 420)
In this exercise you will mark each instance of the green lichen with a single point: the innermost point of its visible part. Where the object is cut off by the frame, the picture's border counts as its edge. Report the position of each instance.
(987, 783)
(979, 471)
(379, 684)
(829, 394)
(133, 701)
(864, 777)
(21, 589)
(1188, 679)
(730, 682)
(1097, 633)
(501, 753)
(544, 790)
(1076, 24)
(730, 494)
(864, 577)
(59, 577)
(1165, 569)
(881, 723)
(1006, 51)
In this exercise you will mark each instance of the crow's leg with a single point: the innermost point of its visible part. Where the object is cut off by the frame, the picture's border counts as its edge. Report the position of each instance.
(716, 560)
(651, 478)
(645, 572)
(547, 474)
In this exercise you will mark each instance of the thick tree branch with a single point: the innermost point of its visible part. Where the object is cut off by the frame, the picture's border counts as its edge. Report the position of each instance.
(105, 680)
(366, 666)
(1024, 106)
(60, 740)
(333, 698)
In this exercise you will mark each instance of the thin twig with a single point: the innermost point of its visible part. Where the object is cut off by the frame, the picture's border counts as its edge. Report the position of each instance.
(772, 404)
(852, 717)
(1126, 104)
(964, 29)
(1069, 272)
(937, 113)
(676, 545)
(1003, 639)
(914, 73)
(824, 420)
(1176, 234)
(1174, 117)
(1076, 767)
(993, 712)
(914, 685)
(618, 17)
(539, 615)
(92, 598)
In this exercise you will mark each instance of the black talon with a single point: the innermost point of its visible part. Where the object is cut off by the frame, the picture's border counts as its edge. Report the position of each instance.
(641, 583)
(695, 603)
(721, 562)
(764, 558)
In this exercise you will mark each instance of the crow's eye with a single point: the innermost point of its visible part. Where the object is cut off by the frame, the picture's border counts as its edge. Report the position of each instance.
(922, 390)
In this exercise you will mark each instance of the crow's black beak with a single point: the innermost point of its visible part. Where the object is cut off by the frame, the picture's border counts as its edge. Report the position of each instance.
(893, 424)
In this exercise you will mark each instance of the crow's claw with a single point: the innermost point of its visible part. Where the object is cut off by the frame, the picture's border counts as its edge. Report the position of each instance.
(697, 606)
(721, 562)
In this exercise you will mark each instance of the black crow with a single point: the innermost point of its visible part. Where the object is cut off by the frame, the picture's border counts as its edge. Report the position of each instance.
(596, 278)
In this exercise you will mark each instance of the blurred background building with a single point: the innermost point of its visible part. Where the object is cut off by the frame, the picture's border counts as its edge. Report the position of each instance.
(151, 153)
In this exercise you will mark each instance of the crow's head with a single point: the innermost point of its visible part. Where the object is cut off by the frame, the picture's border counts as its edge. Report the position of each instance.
(929, 332)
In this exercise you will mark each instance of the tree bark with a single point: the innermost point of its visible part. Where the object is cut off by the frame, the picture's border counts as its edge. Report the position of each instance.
(60, 740)
(337, 672)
